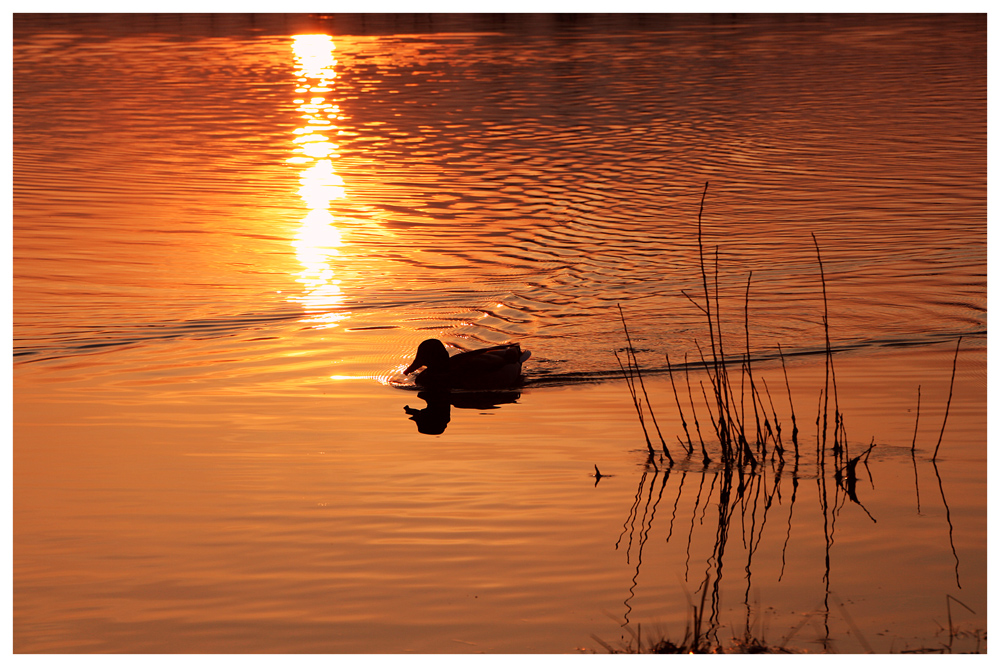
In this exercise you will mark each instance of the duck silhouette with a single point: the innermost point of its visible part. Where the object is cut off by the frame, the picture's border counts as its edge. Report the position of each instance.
(490, 368)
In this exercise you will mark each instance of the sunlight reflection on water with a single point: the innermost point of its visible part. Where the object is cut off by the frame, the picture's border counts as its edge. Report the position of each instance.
(317, 241)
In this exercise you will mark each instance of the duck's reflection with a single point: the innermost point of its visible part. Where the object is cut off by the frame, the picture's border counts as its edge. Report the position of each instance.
(433, 419)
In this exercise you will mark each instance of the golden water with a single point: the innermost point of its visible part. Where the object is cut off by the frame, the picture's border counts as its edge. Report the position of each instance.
(230, 234)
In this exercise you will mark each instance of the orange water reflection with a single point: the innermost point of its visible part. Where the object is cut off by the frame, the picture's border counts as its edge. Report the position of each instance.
(318, 241)
(216, 493)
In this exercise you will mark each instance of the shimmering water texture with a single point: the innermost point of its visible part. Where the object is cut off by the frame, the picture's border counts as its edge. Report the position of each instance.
(232, 232)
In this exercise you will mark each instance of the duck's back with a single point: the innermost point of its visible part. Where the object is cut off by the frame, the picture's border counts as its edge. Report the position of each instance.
(490, 368)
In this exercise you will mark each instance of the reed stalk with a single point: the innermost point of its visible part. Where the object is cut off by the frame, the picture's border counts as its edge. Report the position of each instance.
(694, 414)
(638, 373)
(761, 439)
(680, 411)
(831, 373)
(951, 388)
(795, 428)
(635, 401)
(779, 446)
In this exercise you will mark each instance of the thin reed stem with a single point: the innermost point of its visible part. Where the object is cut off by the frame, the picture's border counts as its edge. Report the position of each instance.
(838, 445)
(753, 388)
(788, 389)
(680, 411)
(704, 283)
(951, 387)
(642, 386)
(635, 401)
(916, 423)
(694, 414)
(722, 373)
(776, 433)
(715, 425)
(826, 330)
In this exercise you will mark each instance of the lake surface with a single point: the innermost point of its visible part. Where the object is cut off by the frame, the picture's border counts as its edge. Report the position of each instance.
(232, 231)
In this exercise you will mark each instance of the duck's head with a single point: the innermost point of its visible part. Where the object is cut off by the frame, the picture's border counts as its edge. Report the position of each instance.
(431, 353)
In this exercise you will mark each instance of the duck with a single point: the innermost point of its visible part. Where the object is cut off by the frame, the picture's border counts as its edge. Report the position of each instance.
(489, 368)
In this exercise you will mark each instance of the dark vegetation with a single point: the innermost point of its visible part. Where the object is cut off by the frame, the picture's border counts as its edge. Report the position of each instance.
(745, 440)
(744, 453)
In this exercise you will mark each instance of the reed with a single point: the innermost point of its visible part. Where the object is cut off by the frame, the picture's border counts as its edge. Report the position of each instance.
(680, 410)
(630, 381)
(947, 407)
(830, 371)
(791, 407)
(746, 435)
(631, 376)
(740, 445)
(747, 444)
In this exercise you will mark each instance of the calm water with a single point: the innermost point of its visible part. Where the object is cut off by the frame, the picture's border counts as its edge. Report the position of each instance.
(231, 232)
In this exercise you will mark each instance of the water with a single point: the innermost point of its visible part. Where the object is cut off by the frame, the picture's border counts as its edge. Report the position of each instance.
(231, 233)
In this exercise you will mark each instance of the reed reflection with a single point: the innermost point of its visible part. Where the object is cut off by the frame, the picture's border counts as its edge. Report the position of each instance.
(740, 500)
(318, 241)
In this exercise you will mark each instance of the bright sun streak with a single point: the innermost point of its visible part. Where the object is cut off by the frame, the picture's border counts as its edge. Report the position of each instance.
(318, 240)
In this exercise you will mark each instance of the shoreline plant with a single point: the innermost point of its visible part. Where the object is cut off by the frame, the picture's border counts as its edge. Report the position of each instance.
(747, 444)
